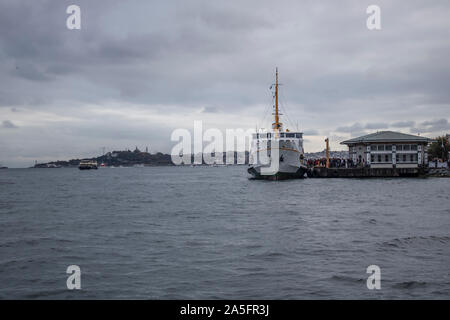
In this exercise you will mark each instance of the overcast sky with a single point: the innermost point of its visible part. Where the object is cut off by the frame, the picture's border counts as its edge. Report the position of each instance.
(139, 69)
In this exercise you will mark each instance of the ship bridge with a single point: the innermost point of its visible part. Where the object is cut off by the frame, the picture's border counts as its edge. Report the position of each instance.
(281, 135)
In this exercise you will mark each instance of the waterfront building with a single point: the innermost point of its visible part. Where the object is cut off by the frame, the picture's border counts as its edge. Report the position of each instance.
(388, 149)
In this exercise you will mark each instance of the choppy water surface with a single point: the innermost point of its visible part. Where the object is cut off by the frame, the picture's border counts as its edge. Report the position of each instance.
(202, 232)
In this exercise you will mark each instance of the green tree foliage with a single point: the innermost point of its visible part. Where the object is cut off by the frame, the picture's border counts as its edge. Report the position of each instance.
(439, 148)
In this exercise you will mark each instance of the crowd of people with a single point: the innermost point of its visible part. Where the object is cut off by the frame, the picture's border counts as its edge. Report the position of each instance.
(334, 163)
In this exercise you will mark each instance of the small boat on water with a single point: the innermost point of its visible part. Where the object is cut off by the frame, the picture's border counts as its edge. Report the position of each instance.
(277, 154)
(53, 166)
(88, 165)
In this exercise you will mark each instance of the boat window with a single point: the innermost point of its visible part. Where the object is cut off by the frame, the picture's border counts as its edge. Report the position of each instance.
(290, 135)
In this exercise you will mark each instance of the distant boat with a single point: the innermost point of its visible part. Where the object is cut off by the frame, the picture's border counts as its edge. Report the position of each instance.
(102, 165)
(53, 166)
(88, 164)
(3, 167)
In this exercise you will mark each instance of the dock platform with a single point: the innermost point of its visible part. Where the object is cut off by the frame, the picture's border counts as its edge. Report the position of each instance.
(322, 172)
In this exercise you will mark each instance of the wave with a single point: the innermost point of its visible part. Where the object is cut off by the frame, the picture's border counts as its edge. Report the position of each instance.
(346, 279)
(5, 182)
(410, 285)
(33, 241)
(415, 240)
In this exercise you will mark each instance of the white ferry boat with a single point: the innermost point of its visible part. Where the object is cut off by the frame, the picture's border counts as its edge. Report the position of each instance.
(277, 154)
(88, 164)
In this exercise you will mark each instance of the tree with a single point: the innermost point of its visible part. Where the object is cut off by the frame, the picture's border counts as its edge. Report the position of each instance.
(439, 148)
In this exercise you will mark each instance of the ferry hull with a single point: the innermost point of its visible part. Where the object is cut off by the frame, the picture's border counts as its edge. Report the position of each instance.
(299, 173)
(88, 167)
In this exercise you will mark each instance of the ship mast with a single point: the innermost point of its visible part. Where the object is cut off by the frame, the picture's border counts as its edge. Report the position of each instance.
(277, 124)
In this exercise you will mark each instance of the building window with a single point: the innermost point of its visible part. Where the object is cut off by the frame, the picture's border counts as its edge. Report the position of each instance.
(404, 158)
(381, 147)
(372, 158)
(397, 158)
(388, 147)
(406, 147)
(399, 147)
(379, 158)
(414, 147)
(386, 157)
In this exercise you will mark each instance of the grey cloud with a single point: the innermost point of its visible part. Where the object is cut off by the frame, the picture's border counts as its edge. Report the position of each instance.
(403, 124)
(31, 72)
(7, 124)
(354, 130)
(348, 129)
(378, 125)
(311, 132)
(180, 56)
(435, 125)
(210, 109)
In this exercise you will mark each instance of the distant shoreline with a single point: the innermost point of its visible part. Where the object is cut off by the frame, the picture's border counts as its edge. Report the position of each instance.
(128, 158)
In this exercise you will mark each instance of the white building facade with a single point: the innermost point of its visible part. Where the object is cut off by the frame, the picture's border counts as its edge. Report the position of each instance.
(388, 149)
